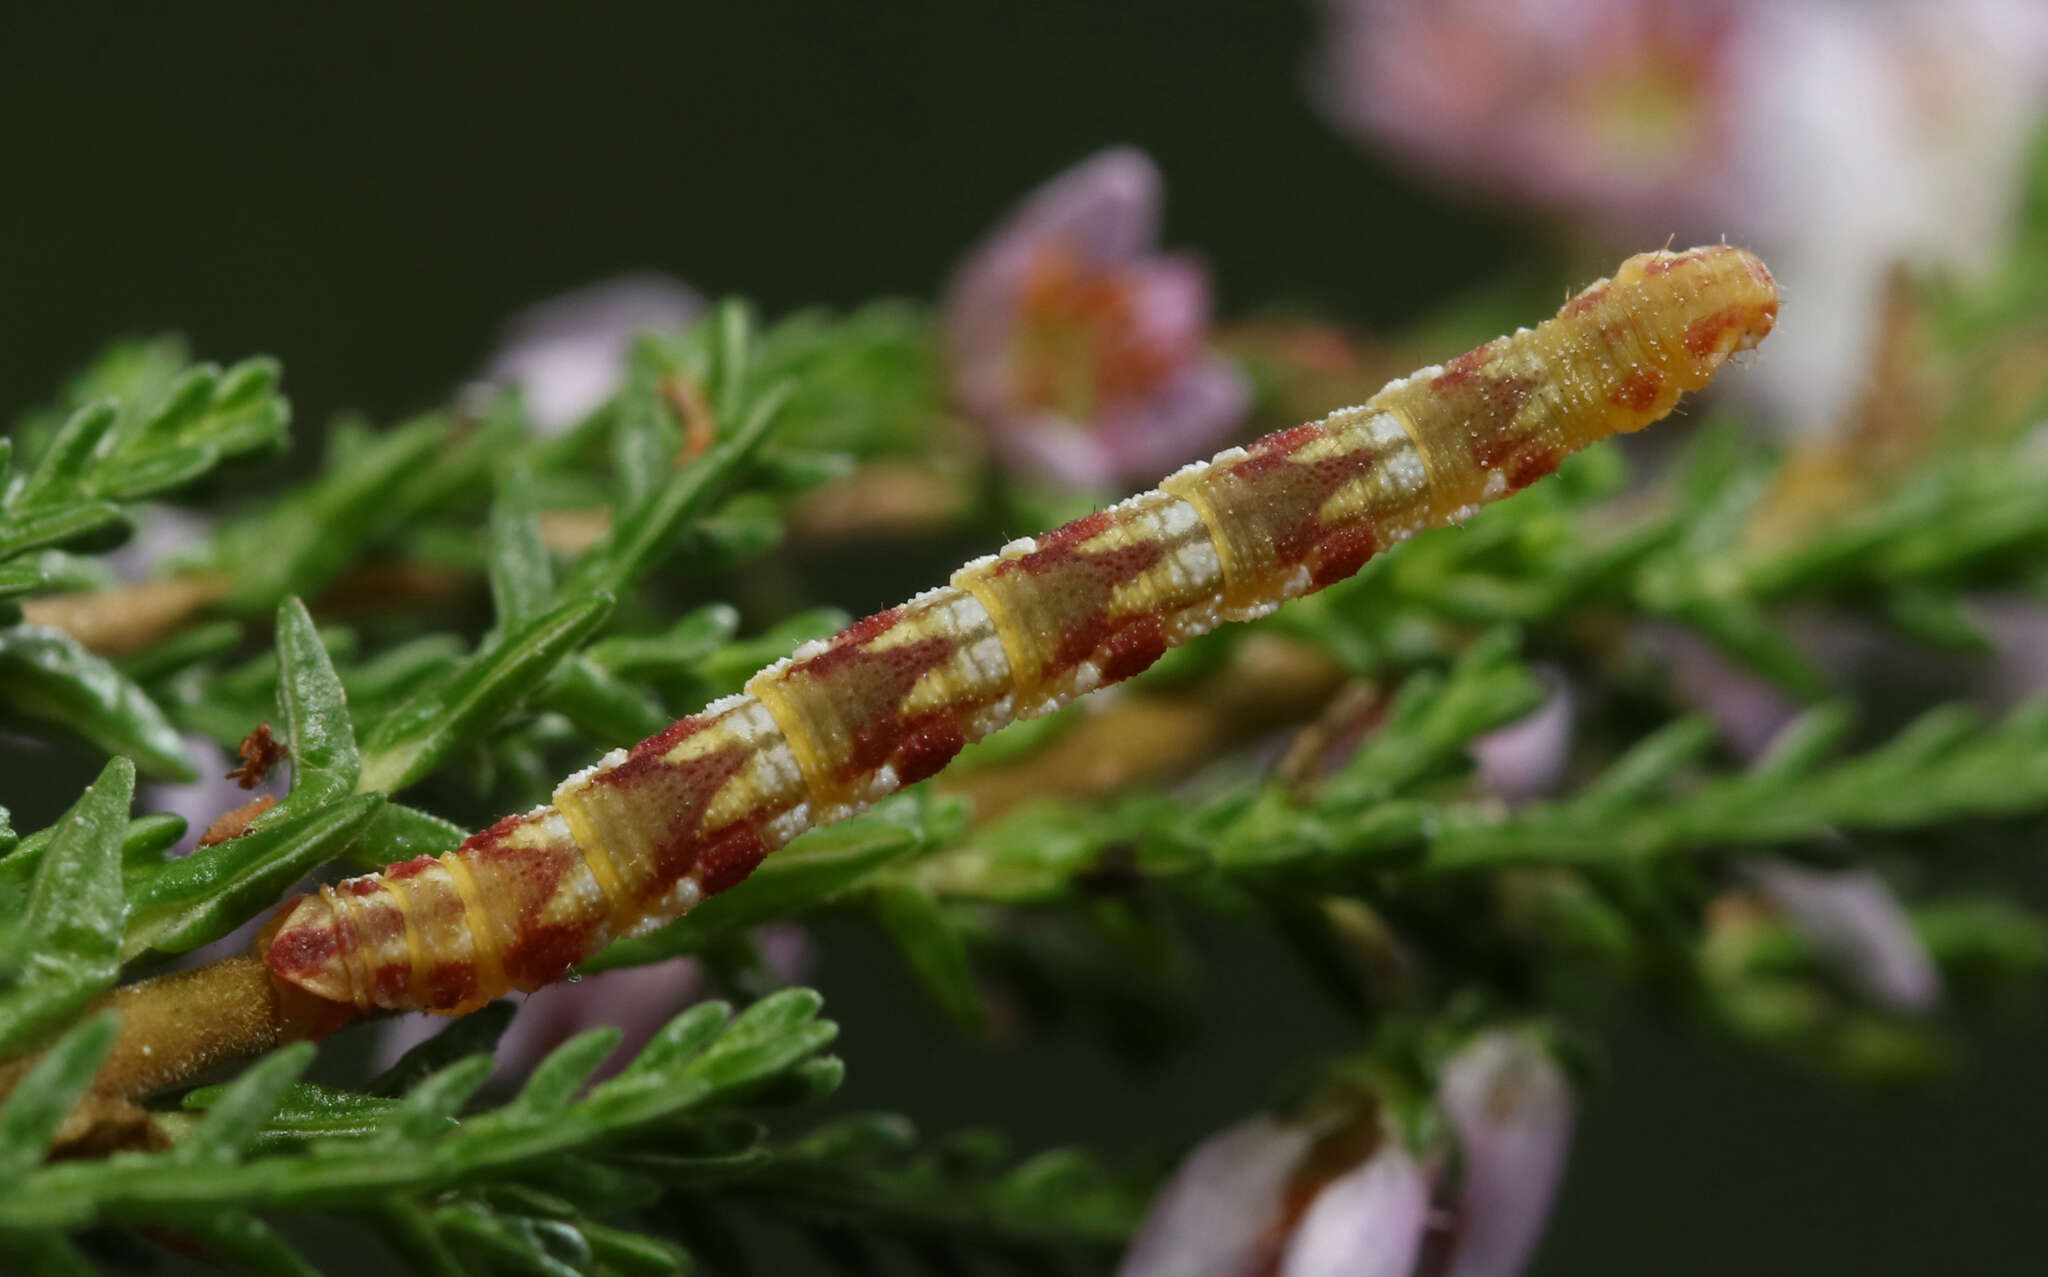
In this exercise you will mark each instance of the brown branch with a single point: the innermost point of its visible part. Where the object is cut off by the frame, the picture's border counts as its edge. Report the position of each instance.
(1145, 737)
(180, 1027)
(884, 499)
(128, 617)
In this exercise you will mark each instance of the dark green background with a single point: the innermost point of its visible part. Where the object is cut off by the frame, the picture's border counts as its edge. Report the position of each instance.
(366, 192)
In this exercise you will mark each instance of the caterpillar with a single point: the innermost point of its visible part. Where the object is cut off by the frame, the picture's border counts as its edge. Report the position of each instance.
(648, 832)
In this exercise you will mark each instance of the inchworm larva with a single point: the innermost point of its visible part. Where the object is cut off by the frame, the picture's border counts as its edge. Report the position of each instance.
(645, 834)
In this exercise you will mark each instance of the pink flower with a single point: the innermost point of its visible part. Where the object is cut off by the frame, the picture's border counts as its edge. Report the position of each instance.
(1078, 348)
(1513, 1110)
(1613, 108)
(1857, 924)
(1841, 139)
(1748, 709)
(1214, 1217)
(1527, 758)
(568, 353)
(1367, 1222)
(1342, 1195)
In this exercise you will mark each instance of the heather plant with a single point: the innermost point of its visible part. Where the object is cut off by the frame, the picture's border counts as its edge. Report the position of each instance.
(445, 617)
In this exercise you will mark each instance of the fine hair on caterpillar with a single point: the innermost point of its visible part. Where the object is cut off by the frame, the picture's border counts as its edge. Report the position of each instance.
(642, 836)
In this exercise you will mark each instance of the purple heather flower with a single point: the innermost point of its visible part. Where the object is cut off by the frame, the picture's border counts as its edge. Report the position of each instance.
(2019, 630)
(162, 534)
(1856, 922)
(1748, 709)
(1842, 140)
(1313, 1199)
(1526, 759)
(1513, 1110)
(568, 353)
(1367, 1222)
(1215, 1217)
(1079, 348)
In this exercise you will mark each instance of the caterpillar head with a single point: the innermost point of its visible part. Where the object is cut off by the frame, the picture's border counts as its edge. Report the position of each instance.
(1696, 308)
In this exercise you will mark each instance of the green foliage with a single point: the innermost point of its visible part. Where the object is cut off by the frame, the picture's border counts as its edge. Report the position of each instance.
(64, 947)
(133, 432)
(412, 623)
(531, 1181)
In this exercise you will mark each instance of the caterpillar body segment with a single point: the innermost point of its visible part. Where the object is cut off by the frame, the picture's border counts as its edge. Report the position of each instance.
(1099, 599)
(642, 836)
(891, 699)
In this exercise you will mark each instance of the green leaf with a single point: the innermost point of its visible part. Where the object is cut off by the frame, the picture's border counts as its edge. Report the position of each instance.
(237, 1114)
(301, 542)
(521, 574)
(764, 1039)
(247, 1243)
(688, 643)
(399, 832)
(633, 543)
(549, 1247)
(1651, 763)
(1806, 742)
(36, 1106)
(926, 937)
(59, 473)
(428, 1110)
(57, 525)
(420, 735)
(632, 1253)
(412, 1232)
(474, 1034)
(65, 948)
(645, 440)
(1938, 617)
(310, 699)
(180, 651)
(209, 893)
(47, 674)
(1740, 629)
(50, 1255)
(159, 472)
(307, 1111)
(556, 1079)
(608, 708)
(143, 845)
(678, 1042)
(17, 579)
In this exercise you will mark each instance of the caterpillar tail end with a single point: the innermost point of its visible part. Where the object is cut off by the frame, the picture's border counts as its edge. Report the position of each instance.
(307, 948)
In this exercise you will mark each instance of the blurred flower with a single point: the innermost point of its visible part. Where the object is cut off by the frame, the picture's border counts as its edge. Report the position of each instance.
(1526, 758)
(638, 1000)
(2018, 628)
(1613, 109)
(1367, 1222)
(162, 533)
(1214, 1217)
(1077, 347)
(567, 354)
(1840, 139)
(1748, 709)
(1854, 920)
(1513, 1109)
(1340, 1194)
